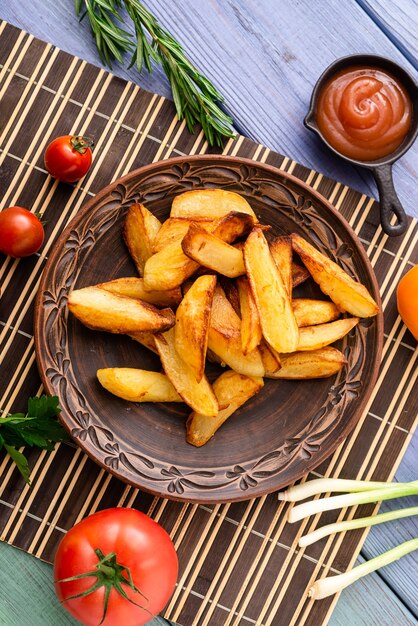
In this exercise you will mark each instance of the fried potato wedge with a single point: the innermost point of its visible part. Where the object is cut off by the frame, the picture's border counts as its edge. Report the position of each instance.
(274, 305)
(209, 203)
(224, 339)
(233, 225)
(315, 337)
(101, 310)
(250, 320)
(281, 251)
(132, 287)
(168, 268)
(175, 228)
(232, 390)
(319, 363)
(299, 274)
(139, 231)
(137, 385)
(192, 324)
(210, 251)
(347, 294)
(145, 338)
(270, 358)
(198, 395)
(309, 312)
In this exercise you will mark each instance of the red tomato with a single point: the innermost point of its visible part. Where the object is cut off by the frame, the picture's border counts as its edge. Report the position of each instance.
(68, 158)
(21, 232)
(139, 545)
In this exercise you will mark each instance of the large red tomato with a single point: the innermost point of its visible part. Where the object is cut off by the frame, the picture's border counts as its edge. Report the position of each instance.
(113, 547)
(21, 232)
(68, 158)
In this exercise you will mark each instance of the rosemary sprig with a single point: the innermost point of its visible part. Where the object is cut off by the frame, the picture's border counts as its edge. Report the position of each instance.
(194, 96)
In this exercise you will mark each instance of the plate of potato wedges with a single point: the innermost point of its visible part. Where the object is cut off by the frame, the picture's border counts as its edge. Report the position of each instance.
(211, 326)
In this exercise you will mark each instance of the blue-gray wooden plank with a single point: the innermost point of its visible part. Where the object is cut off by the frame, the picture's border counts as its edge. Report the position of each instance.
(265, 58)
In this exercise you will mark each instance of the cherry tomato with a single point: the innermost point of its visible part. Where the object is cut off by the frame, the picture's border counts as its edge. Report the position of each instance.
(108, 546)
(407, 300)
(21, 232)
(68, 158)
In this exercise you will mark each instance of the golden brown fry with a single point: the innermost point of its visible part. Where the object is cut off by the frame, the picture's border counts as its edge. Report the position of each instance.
(299, 274)
(210, 251)
(139, 231)
(231, 292)
(271, 359)
(315, 337)
(309, 312)
(232, 390)
(175, 228)
(274, 306)
(225, 338)
(232, 226)
(145, 338)
(137, 385)
(198, 395)
(192, 324)
(347, 294)
(168, 268)
(101, 310)
(209, 203)
(319, 363)
(281, 251)
(250, 320)
(132, 287)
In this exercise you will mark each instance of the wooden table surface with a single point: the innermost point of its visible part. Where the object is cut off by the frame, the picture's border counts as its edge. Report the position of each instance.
(265, 57)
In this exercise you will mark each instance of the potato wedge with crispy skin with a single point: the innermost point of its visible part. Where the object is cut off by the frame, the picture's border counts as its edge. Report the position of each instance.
(210, 251)
(250, 320)
(137, 385)
(315, 337)
(139, 231)
(348, 294)
(145, 338)
(231, 226)
(192, 324)
(319, 363)
(274, 305)
(168, 268)
(209, 203)
(225, 338)
(299, 274)
(309, 312)
(175, 228)
(132, 287)
(281, 251)
(270, 358)
(198, 395)
(101, 310)
(232, 390)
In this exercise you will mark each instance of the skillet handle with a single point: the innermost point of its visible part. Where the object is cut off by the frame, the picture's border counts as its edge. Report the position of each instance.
(389, 202)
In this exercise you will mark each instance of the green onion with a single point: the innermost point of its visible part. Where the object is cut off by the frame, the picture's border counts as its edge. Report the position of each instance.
(361, 522)
(325, 485)
(338, 502)
(328, 586)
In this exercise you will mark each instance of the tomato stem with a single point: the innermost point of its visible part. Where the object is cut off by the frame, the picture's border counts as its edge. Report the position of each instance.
(81, 144)
(110, 575)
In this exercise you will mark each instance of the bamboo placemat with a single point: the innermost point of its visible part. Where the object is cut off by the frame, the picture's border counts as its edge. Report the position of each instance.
(239, 563)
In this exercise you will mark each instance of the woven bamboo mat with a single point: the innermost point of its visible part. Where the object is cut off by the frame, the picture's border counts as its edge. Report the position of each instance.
(239, 564)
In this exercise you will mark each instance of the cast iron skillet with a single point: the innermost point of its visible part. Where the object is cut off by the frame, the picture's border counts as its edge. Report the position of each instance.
(380, 168)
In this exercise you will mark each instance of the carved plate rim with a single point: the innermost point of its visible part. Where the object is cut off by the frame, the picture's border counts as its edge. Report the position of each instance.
(174, 482)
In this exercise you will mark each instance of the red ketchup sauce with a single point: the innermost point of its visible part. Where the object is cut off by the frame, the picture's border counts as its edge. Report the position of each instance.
(364, 113)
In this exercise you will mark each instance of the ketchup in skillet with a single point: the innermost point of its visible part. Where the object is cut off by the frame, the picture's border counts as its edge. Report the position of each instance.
(364, 113)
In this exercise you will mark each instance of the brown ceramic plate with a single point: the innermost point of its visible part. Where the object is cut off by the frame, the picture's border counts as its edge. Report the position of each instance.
(285, 431)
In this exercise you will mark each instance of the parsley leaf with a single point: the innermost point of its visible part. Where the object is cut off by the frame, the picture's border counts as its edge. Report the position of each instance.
(38, 427)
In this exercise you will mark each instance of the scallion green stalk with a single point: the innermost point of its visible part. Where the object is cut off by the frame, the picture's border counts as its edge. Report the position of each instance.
(361, 522)
(325, 485)
(329, 586)
(338, 502)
